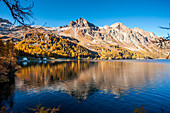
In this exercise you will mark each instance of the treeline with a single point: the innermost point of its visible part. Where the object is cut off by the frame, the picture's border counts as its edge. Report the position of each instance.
(123, 53)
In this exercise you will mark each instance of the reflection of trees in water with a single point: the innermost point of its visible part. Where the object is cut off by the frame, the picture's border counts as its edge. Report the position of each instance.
(46, 74)
(7, 94)
(81, 79)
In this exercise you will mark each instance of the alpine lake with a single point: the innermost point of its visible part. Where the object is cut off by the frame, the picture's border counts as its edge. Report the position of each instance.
(118, 86)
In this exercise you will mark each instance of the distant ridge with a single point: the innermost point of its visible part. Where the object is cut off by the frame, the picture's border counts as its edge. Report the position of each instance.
(5, 21)
(115, 41)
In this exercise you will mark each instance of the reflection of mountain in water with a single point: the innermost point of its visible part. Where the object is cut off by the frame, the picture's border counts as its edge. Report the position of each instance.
(80, 79)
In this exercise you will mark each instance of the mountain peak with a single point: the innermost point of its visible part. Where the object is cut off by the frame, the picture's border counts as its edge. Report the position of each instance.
(118, 24)
(81, 22)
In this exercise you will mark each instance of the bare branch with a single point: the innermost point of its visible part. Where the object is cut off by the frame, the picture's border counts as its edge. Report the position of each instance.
(19, 13)
(168, 28)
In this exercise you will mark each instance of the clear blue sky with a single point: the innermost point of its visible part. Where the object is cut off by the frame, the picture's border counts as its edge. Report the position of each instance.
(145, 14)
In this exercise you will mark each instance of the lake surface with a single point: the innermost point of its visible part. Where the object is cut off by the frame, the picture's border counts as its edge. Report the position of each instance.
(89, 87)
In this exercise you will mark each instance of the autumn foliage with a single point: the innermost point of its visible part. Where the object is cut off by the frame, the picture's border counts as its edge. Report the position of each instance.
(7, 58)
(51, 46)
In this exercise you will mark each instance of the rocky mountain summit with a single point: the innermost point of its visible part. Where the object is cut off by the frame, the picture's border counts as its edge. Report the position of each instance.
(81, 22)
